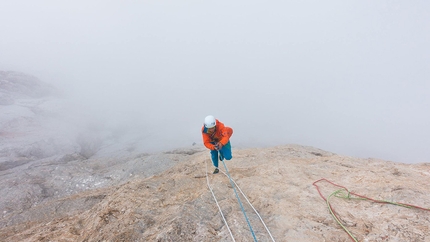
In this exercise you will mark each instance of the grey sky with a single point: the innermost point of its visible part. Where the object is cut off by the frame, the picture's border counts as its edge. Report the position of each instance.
(351, 77)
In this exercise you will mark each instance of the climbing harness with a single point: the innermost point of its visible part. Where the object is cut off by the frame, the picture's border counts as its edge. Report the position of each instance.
(234, 185)
(343, 192)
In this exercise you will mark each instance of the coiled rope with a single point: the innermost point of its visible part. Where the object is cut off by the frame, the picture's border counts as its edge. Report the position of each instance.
(243, 194)
(346, 194)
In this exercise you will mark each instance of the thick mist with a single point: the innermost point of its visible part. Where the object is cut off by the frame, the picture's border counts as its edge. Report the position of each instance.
(347, 77)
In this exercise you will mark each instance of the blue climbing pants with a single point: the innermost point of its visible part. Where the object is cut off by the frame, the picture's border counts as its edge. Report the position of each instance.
(224, 152)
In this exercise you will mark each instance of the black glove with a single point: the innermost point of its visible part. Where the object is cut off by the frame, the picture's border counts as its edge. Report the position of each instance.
(218, 146)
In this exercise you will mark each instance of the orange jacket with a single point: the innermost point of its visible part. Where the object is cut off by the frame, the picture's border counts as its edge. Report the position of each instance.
(222, 134)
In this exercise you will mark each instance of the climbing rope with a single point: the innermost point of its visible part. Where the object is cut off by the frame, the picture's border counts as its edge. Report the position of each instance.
(240, 202)
(216, 201)
(234, 184)
(346, 194)
(243, 194)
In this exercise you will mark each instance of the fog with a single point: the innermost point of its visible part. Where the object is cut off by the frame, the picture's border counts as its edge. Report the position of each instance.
(350, 77)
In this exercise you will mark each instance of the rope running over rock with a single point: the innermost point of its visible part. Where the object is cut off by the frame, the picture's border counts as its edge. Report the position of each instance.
(346, 194)
(234, 184)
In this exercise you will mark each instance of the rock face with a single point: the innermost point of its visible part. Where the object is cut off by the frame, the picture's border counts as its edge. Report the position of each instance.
(31, 127)
(174, 203)
(19, 85)
(59, 182)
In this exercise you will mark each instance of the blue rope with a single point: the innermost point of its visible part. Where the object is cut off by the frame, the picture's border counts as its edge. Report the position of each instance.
(240, 202)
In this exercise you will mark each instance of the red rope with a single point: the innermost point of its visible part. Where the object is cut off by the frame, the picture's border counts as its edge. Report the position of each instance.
(325, 199)
(361, 196)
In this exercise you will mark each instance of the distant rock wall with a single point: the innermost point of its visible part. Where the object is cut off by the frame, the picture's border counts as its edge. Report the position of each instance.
(18, 85)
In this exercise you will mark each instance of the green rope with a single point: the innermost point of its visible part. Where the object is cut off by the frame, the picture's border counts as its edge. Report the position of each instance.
(341, 194)
(344, 193)
(336, 194)
(378, 201)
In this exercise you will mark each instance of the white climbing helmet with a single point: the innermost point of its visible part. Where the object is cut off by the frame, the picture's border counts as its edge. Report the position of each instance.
(210, 121)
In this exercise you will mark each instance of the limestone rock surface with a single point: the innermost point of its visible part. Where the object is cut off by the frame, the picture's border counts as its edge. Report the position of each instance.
(174, 203)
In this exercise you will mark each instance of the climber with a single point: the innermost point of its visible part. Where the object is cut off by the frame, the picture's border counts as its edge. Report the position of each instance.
(216, 137)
